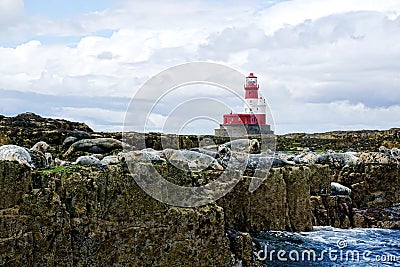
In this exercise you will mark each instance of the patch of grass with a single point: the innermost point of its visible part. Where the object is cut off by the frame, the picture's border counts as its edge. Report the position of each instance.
(61, 169)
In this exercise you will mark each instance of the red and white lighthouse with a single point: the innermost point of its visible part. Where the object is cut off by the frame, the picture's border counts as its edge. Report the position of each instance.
(254, 118)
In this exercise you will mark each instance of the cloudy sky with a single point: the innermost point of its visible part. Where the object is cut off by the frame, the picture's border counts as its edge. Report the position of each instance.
(322, 64)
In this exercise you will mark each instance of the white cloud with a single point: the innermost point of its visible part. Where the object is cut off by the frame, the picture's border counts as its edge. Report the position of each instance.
(298, 11)
(10, 12)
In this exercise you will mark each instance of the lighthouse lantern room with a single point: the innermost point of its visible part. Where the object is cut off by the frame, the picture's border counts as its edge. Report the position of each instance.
(254, 118)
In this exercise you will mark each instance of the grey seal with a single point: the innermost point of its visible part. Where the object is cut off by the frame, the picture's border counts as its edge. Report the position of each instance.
(338, 189)
(146, 154)
(338, 159)
(191, 159)
(16, 153)
(306, 158)
(59, 162)
(110, 160)
(88, 161)
(69, 141)
(39, 156)
(99, 145)
(31, 158)
(80, 134)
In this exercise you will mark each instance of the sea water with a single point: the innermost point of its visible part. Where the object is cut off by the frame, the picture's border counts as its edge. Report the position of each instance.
(329, 246)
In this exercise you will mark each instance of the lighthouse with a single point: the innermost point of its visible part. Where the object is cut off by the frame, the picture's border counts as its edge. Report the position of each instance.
(254, 118)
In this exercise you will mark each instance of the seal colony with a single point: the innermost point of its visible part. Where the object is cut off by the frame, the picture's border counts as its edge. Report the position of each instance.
(236, 153)
(101, 152)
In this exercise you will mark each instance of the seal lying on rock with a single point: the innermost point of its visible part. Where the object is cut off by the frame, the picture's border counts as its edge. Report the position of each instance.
(88, 161)
(99, 145)
(110, 160)
(306, 158)
(384, 150)
(147, 154)
(80, 134)
(49, 159)
(75, 136)
(259, 161)
(338, 189)
(194, 160)
(150, 154)
(282, 159)
(69, 141)
(395, 152)
(32, 158)
(242, 145)
(338, 159)
(263, 160)
(16, 153)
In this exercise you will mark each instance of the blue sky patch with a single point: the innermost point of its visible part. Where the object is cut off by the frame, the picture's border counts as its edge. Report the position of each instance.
(61, 9)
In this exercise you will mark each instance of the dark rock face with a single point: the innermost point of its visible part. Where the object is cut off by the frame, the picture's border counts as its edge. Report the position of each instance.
(381, 218)
(375, 194)
(336, 211)
(85, 217)
(282, 202)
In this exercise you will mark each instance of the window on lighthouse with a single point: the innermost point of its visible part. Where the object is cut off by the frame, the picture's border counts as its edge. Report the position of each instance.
(251, 81)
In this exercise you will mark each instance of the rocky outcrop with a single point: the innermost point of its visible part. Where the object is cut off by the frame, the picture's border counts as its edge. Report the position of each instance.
(362, 141)
(373, 202)
(82, 216)
(87, 216)
(336, 211)
(27, 129)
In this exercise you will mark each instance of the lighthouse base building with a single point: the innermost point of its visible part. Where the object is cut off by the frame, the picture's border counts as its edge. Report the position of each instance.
(239, 130)
(253, 120)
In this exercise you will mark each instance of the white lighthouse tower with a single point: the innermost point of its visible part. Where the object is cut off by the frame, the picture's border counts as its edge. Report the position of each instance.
(254, 104)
